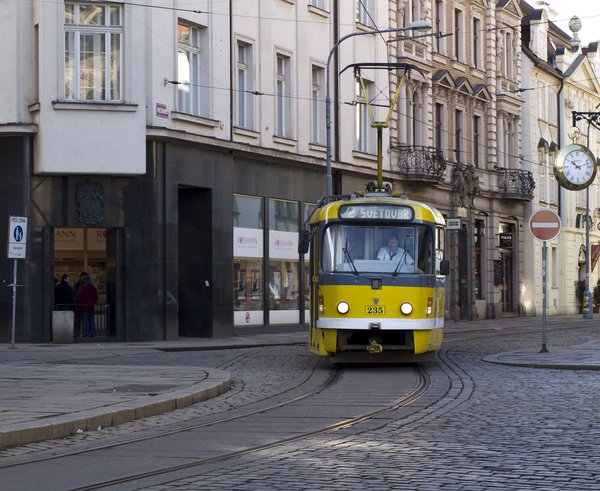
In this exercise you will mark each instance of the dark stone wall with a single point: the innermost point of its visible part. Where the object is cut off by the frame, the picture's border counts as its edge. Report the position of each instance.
(152, 253)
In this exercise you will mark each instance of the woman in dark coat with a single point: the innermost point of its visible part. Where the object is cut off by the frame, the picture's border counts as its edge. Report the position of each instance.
(87, 297)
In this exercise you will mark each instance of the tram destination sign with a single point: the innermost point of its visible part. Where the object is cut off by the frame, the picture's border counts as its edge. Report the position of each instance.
(376, 212)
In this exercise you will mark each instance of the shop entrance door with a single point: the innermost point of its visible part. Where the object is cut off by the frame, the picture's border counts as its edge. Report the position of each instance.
(506, 289)
(195, 262)
(78, 250)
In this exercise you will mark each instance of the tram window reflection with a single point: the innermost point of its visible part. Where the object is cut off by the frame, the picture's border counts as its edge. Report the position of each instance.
(354, 249)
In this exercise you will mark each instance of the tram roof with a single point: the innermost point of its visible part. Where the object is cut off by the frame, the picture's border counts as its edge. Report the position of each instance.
(422, 211)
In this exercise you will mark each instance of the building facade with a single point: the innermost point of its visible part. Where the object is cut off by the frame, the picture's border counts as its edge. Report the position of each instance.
(175, 153)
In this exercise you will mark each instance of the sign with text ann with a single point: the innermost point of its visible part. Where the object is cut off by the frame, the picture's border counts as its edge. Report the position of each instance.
(17, 237)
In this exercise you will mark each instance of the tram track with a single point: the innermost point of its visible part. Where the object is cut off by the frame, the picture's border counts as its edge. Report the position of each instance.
(416, 381)
(454, 386)
(422, 385)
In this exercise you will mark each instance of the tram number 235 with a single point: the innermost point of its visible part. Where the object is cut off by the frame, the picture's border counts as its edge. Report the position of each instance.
(374, 310)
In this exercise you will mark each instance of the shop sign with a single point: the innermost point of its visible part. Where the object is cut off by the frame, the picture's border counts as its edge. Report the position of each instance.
(453, 224)
(506, 241)
(96, 239)
(247, 242)
(283, 245)
(68, 239)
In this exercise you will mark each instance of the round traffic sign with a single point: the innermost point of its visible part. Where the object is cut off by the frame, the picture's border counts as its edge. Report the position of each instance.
(544, 224)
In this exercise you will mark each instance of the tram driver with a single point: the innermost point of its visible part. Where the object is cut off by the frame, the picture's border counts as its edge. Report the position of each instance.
(392, 252)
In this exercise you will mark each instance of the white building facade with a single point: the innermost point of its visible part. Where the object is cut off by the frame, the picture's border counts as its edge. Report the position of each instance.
(174, 152)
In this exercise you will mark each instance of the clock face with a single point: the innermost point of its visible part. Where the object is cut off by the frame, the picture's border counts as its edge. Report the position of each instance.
(575, 167)
(578, 167)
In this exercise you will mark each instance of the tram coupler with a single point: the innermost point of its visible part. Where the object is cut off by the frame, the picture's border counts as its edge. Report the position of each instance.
(374, 347)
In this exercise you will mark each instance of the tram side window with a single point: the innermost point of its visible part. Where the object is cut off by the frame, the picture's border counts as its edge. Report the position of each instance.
(425, 255)
(439, 248)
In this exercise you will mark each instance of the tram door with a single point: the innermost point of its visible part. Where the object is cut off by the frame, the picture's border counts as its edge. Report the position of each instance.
(195, 262)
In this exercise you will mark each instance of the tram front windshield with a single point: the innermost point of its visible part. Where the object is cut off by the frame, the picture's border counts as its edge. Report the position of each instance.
(378, 249)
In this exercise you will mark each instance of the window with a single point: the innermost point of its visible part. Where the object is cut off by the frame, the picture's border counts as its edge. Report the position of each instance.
(245, 86)
(365, 12)
(509, 56)
(320, 4)
(318, 106)
(505, 48)
(192, 91)
(459, 53)
(283, 99)
(438, 42)
(93, 40)
(477, 43)
(248, 260)
(458, 134)
(552, 106)
(438, 127)
(477, 141)
(542, 175)
(365, 134)
(284, 266)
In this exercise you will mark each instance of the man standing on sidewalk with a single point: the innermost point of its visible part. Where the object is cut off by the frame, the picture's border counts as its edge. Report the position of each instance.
(87, 297)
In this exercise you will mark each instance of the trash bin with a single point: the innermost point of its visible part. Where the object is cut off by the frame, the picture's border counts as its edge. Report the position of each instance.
(62, 326)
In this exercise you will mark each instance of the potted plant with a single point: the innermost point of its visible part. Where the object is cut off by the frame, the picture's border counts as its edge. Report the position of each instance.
(596, 297)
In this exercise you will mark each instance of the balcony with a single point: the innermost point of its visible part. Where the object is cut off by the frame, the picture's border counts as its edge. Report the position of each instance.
(515, 183)
(421, 163)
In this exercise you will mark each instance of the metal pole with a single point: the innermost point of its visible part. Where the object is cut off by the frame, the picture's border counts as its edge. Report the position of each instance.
(14, 302)
(544, 291)
(589, 313)
(417, 25)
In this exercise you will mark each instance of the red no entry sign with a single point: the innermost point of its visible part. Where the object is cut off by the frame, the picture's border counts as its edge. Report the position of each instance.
(544, 225)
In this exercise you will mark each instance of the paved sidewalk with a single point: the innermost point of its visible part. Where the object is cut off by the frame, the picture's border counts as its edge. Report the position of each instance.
(43, 396)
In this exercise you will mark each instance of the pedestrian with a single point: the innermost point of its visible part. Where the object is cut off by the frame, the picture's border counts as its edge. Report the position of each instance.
(86, 304)
(64, 297)
(77, 287)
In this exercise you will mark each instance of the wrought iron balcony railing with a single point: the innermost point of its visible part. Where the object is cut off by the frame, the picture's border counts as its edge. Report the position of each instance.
(516, 183)
(421, 162)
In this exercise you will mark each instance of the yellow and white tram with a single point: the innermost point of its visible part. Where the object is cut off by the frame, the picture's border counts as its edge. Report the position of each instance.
(377, 279)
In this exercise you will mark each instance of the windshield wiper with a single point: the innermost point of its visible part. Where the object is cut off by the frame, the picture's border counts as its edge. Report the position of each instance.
(350, 261)
(401, 262)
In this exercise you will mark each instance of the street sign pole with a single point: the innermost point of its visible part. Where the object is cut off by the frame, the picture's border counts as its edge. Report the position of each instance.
(544, 291)
(17, 249)
(14, 303)
(544, 225)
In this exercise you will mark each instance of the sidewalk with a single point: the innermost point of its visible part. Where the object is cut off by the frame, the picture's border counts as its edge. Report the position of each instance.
(43, 396)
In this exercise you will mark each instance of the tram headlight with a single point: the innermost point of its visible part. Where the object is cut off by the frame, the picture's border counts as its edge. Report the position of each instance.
(406, 308)
(321, 304)
(343, 307)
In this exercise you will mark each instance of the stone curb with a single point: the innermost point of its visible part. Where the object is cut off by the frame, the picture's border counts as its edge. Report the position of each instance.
(62, 426)
(526, 359)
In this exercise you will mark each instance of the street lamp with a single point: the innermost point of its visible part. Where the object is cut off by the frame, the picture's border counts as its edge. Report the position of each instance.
(419, 25)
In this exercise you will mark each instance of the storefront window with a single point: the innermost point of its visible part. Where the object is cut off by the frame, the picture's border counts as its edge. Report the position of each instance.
(248, 251)
(283, 280)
